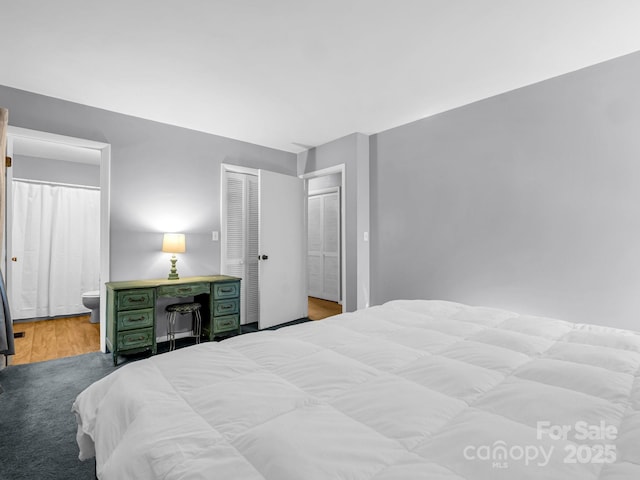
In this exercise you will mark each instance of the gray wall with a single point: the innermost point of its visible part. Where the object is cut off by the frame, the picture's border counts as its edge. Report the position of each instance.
(529, 201)
(51, 170)
(341, 151)
(163, 178)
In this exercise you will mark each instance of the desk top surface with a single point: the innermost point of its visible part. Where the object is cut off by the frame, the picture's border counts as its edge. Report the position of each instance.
(163, 281)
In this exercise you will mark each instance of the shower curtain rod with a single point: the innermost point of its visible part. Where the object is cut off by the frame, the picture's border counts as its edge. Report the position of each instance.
(57, 184)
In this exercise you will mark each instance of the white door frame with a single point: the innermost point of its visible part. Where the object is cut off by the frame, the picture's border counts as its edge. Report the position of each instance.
(105, 206)
(341, 169)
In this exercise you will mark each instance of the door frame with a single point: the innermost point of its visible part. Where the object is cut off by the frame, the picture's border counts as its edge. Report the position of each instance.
(105, 206)
(341, 169)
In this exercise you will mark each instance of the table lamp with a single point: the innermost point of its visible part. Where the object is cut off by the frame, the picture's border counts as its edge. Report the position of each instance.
(173, 243)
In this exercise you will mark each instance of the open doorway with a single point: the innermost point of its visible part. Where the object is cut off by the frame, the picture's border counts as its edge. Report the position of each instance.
(325, 242)
(47, 163)
(55, 234)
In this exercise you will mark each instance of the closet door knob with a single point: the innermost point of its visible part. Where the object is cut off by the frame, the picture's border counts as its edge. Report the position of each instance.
(14, 259)
(264, 257)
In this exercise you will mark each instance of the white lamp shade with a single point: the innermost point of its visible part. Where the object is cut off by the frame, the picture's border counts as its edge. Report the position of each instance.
(173, 243)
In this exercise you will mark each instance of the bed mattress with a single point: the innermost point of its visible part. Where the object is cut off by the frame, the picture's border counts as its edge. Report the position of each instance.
(412, 389)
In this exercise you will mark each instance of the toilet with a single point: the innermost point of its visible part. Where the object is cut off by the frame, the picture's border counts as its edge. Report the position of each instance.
(91, 300)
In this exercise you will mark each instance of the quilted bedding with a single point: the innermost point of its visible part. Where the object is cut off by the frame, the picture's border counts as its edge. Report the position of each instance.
(412, 389)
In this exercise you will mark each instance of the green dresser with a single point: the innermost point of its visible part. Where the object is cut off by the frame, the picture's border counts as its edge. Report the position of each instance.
(225, 308)
(131, 309)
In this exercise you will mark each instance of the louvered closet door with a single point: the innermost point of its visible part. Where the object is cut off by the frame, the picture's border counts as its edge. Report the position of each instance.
(323, 237)
(251, 287)
(331, 247)
(314, 252)
(241, 240)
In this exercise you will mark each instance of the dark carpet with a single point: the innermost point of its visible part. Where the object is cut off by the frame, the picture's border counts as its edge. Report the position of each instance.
(37, 428)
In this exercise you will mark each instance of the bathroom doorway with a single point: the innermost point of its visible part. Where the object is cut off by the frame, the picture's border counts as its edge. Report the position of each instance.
(57, 190)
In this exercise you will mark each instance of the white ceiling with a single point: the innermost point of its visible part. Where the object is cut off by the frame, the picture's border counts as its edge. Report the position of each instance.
(290, 73)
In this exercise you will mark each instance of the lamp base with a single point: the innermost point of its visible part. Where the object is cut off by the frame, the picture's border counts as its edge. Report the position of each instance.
(173, 274)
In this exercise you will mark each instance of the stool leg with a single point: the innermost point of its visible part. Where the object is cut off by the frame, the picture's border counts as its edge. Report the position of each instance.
(197, 326)
(171, 330)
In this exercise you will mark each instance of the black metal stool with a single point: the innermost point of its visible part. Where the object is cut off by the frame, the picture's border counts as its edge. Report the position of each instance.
(183, 309)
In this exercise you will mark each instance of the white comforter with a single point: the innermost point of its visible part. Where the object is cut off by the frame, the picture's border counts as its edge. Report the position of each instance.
(408, 390)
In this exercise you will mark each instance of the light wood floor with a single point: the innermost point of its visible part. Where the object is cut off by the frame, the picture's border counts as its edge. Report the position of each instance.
(66, 337)
(55, 338)
(319, 309)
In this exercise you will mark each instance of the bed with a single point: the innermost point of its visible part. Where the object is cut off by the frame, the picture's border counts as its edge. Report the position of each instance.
(411, 390)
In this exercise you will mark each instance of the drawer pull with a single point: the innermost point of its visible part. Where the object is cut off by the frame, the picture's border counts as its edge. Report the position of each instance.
(138, 300)
(226, 290)
(185, 289)
(139, 319)
(225, 307)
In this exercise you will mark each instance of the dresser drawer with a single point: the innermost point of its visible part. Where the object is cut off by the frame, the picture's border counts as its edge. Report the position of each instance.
(135, 299)
(130, 319)
(226, 290)
(226, 307)
(135, 339)
(226, 323)
(184, 290)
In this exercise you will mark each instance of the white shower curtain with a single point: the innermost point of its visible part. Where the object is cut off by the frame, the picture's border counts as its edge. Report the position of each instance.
(56, 240)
